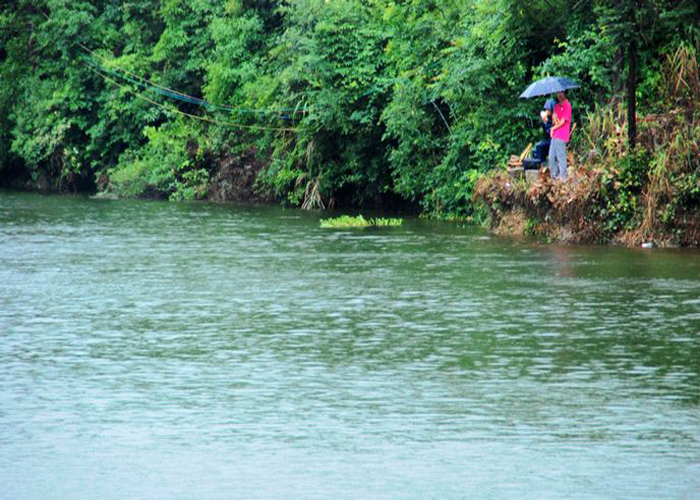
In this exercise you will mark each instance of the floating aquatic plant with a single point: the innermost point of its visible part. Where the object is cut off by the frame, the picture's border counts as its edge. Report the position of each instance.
(347, 221)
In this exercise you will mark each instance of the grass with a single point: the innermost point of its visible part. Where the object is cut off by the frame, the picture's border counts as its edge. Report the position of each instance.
(347, 221)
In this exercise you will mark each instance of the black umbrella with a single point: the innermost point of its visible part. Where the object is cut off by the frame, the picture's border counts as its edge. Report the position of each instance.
(549, 85)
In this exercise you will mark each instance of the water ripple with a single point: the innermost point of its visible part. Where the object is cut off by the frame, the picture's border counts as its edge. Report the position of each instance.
(193, 350)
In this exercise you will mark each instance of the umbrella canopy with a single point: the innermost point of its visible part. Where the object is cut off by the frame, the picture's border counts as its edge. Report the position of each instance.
(549, 85)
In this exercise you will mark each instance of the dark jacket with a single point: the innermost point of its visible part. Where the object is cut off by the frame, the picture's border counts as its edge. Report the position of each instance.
(547, 128)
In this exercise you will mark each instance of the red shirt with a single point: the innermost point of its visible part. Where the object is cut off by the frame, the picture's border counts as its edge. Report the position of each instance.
(563, 112)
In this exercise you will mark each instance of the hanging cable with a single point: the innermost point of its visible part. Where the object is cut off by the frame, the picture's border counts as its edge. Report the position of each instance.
(189, 115)
(175, 94)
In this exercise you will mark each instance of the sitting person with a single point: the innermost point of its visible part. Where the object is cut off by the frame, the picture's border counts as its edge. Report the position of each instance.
(542, 147)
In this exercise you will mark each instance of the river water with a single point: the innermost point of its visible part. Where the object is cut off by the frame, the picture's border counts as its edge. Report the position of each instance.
(164, 350)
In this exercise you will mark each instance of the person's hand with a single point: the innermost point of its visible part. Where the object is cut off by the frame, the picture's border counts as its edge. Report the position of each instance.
(543, 115)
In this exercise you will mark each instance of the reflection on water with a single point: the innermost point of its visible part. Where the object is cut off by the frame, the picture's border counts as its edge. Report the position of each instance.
(179, 350)
(562, 260)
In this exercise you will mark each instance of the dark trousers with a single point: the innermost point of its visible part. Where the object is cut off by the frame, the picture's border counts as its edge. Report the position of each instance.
(541, 150)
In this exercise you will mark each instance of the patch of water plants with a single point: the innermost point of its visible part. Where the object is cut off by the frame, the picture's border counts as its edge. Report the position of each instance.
(348, 221)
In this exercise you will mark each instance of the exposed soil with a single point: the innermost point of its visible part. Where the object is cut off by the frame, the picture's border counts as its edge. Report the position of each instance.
(511, 224)
(569, 212)
(234, 180)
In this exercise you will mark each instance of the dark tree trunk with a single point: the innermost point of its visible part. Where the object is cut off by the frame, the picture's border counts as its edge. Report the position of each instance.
(632, 85)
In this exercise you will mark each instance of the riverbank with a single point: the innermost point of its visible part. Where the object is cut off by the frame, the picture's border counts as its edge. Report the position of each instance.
(597, 204)
(583, 210)
(230, 179)
(648, 196)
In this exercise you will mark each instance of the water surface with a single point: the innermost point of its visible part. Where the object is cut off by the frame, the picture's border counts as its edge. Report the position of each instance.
(162, 350)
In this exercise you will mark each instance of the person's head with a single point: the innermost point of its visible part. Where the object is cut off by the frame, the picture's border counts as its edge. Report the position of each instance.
(561, 96)
(549, 106)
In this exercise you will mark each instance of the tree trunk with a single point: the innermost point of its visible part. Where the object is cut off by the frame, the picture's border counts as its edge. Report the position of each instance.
(632, 85)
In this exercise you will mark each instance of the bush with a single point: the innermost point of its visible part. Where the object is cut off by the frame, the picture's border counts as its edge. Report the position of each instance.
(165, 167)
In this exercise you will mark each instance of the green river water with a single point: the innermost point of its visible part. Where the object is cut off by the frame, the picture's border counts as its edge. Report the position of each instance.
(164, 350)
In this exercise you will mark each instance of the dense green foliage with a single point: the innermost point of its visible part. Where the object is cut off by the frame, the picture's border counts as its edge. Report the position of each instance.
(344, 101)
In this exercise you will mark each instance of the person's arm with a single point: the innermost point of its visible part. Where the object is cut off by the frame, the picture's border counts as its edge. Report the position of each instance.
(559, 122)
(556, 123)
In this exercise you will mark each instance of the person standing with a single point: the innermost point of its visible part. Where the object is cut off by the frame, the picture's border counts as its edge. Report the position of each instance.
(561, 131)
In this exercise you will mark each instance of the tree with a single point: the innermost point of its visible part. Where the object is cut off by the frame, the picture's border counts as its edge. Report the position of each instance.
(642, 27)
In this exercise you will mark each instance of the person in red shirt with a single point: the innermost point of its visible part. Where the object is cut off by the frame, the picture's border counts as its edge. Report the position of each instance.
(561, 132)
